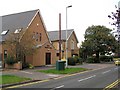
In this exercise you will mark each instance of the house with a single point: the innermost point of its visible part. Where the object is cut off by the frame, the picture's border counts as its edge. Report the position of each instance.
(71, 39)
(29, 22)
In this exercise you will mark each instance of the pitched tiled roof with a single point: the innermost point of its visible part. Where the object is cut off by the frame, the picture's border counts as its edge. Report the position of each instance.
(54, 35)
(16, 21)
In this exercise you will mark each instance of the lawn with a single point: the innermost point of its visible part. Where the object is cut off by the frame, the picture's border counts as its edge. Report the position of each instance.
(116, 59)
(9, 79)
(66, 71)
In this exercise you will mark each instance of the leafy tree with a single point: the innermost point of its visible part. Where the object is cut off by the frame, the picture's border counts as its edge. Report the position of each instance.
(20, 44)
(115, 17)
(98, 40)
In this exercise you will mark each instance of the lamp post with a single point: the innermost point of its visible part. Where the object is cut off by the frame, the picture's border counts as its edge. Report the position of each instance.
(66, 37)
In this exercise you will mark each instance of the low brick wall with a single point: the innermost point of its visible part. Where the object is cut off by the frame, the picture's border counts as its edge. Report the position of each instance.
(14, 66)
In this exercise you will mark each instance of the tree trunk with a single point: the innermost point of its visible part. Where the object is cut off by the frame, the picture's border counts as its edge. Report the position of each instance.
(97, 57)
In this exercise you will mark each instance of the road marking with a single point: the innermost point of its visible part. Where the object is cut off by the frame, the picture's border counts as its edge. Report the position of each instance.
(16, 86)
(86, 78)
(26, 72)
(106, 71)
(60, 86)
(115, 68)
(112, 85)
(89, 70)
(53, 75)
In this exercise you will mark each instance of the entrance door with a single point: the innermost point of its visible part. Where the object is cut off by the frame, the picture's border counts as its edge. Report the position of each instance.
(48, 58)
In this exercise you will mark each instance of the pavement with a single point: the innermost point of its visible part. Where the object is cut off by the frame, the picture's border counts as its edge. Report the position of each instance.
(31, 73)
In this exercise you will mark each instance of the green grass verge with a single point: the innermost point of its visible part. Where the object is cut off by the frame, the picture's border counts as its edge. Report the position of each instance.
(116, 59)
(9, 79)
(66, 71)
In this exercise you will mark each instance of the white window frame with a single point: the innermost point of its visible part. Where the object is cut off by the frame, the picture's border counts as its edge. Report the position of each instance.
(4, 32)
(17, 31)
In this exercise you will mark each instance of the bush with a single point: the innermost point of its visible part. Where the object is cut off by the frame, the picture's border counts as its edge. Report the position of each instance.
(71, 61)
(116, 57)
(25, 65)
(74, 60)
(10, 60)
(90, 59)
(78, 60)
(106, 58)
(31, 66)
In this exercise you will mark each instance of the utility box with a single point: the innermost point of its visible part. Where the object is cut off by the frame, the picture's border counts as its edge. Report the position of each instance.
(60, 65)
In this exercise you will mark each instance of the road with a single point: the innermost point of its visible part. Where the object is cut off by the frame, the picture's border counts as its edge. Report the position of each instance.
(93, 79)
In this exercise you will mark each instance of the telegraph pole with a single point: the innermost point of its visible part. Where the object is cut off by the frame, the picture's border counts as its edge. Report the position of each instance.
(59, 36)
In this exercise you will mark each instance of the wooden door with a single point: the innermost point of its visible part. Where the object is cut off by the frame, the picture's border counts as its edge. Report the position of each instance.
(48, 58)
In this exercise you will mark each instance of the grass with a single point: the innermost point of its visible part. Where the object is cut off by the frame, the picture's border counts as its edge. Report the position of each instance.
(9, 79)
(66, 71)
(116, 59)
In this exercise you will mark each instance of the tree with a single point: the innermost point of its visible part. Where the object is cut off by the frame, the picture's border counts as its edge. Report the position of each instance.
(115, 16)
(98, 40)
(20, 44)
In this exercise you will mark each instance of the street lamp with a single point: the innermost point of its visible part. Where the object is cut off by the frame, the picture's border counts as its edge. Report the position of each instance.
(66, 36)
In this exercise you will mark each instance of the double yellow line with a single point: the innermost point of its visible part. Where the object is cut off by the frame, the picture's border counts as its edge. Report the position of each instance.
(16, 86)
(112, 85)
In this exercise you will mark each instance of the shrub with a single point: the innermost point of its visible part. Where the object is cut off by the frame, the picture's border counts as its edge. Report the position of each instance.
(71, 61)
(106, 58)
(25, 65)
(116, 56)
(31, 66)
(90, 59)
(10, 60)
(78, 60)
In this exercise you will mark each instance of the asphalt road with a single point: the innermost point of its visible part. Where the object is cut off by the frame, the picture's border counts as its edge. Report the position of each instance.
(92, 79)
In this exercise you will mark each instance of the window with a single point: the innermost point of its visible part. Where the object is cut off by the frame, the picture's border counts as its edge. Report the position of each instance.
(72, 44)
(33, 35)
(5, 54)
(17, 31)
(40, 36)
(36, 36)
(58, 46)
(4, 32)
(57, 54)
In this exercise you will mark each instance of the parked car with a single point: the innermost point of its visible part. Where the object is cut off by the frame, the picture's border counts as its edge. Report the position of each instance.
(117, 62)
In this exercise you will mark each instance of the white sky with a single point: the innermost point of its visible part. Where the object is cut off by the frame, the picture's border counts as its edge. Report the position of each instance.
(82, 14)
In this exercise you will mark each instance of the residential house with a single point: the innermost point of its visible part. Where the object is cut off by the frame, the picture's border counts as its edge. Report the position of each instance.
(71, 39)
(30, 22)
